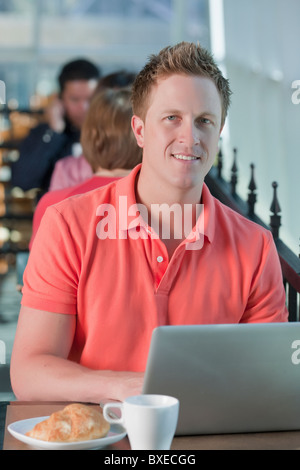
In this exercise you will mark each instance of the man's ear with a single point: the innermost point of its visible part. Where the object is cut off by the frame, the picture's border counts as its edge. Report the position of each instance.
(137, 125)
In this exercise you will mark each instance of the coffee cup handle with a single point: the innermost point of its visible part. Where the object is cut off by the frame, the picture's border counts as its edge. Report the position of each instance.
(110, 416)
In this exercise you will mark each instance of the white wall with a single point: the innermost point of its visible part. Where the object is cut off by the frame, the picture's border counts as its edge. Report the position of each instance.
(262, 60)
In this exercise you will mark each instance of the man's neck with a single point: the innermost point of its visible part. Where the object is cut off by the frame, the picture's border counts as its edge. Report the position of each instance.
(172, 212)
(159, 192)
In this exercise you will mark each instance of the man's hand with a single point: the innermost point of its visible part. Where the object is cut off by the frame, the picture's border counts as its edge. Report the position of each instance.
(125, 384)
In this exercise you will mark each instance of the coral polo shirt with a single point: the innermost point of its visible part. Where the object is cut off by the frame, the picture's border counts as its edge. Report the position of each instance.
(121, 287)
(53, 197)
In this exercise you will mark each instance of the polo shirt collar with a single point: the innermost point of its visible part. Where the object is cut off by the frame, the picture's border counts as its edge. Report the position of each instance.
(208, 214)
(126, 201)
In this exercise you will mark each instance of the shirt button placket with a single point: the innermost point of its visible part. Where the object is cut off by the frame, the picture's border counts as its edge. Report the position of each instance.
(159, 269)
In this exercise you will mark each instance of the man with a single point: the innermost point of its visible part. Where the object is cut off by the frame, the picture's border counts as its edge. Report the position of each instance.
(100, 277)
(60, 136)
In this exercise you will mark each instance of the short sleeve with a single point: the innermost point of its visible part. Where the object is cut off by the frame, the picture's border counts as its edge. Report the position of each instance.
(52, 273)
(267, 300)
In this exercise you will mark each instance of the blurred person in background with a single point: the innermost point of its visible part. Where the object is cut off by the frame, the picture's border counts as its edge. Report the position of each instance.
(108, 144)
(60, 135)
(70, 171)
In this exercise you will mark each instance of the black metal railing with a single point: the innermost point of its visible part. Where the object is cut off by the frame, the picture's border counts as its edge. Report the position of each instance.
(225, 191)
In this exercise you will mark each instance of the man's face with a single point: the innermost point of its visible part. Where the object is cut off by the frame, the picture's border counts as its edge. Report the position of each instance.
(180, 132)
(75, 98)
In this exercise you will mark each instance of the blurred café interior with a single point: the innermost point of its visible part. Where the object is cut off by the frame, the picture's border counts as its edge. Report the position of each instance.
(255, 42)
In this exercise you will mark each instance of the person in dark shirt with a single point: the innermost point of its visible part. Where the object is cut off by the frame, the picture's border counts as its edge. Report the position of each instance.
(60, 135)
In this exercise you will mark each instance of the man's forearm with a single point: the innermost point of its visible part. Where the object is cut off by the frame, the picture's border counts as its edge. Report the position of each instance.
(50, 378)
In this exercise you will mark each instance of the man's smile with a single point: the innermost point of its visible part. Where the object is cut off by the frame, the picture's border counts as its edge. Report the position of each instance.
(179, 156)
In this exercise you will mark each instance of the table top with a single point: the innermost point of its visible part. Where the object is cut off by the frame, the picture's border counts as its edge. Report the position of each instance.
(16, 411)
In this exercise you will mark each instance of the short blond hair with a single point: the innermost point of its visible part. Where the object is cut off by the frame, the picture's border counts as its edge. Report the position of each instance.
(106, 137)
(184, 58)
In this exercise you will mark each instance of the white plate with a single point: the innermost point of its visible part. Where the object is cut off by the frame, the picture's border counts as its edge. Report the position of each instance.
(19, 429)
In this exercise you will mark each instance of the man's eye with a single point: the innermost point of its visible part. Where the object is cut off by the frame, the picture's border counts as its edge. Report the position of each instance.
(171, 118)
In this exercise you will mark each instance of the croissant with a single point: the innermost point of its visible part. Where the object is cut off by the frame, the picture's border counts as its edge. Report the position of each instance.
(76, 422)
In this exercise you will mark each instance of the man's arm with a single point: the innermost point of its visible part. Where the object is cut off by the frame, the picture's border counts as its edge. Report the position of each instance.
(267, 300)
(40, 369)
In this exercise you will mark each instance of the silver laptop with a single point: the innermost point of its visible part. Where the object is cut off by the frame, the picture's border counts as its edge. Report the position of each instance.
(228, 378)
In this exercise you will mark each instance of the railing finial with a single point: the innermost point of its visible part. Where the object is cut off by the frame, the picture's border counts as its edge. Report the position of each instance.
(220, 163)
(275, 219)
(234, 171)
(252, 194)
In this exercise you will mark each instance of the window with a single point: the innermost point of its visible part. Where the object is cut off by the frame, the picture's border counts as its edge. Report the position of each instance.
(37, 37)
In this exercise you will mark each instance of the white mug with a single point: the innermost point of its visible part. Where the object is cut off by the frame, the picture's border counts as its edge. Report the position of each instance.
(150, 420)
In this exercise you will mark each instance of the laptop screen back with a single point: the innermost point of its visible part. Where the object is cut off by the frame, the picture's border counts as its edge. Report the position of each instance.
(228, 378)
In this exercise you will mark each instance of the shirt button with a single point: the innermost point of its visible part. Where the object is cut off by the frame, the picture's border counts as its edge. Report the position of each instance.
(159, 259)
(46, 138)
